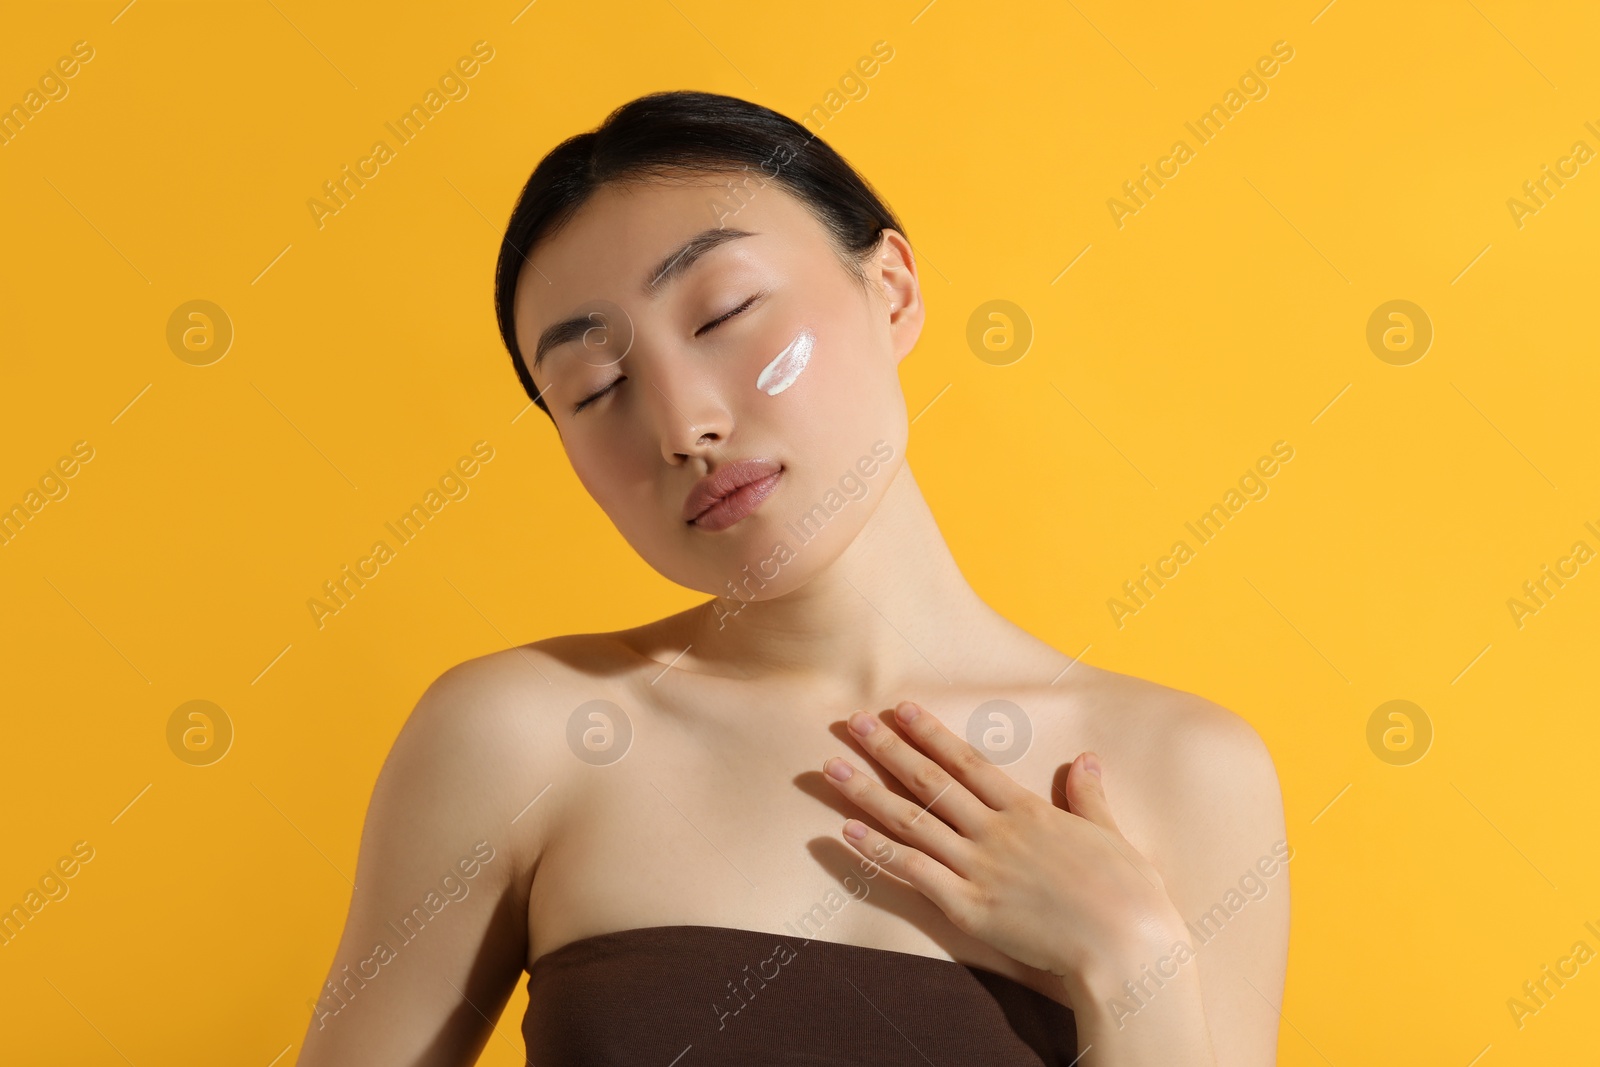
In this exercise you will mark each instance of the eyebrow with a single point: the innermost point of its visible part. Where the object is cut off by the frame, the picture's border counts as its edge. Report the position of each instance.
(663, 274)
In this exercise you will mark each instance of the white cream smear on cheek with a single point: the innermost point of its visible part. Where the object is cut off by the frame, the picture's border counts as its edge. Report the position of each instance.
(778, 375)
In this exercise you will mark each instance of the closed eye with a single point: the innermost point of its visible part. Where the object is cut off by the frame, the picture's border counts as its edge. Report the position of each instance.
(592, 397)
(720, 319)
(713, 324)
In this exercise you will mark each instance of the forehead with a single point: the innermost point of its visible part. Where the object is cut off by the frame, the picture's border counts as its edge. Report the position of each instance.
(613, 242)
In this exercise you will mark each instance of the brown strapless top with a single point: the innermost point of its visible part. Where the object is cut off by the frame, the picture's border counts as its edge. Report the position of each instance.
(704, 996)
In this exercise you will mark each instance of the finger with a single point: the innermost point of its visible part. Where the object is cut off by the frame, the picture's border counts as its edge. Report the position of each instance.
(985, 781)
(1086, 792)
(948, 891)
(934, 786)
(906, 820)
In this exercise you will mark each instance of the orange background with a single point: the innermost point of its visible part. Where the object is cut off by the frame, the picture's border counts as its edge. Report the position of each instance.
(1228, 313)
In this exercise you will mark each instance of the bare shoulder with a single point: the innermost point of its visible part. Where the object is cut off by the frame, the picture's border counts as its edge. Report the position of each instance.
(488, 737)
(1189, 780)
(1203, 803)
(454, 830)
(519, 689)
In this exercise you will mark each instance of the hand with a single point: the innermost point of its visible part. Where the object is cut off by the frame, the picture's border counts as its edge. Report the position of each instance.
(1058, 890)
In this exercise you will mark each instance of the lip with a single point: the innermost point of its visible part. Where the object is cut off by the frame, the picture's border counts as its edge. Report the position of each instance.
(730, 492)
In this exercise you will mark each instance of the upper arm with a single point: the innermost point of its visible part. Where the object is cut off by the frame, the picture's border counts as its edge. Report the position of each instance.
(1224, 857)
(435, 938)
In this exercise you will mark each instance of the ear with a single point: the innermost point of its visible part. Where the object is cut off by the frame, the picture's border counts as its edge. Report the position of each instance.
(893, 272)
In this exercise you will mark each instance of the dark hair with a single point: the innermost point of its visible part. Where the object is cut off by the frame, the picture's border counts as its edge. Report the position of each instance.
(664, 133)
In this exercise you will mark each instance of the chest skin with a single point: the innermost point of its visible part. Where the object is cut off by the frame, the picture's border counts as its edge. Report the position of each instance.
(717, 814)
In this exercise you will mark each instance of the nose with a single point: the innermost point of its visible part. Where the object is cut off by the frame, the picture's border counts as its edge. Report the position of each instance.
(690, 417)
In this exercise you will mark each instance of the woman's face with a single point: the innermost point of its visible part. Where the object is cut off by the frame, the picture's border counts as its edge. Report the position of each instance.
(754, 347)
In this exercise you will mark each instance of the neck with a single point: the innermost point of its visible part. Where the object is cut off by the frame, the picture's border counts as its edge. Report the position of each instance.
(892, 609)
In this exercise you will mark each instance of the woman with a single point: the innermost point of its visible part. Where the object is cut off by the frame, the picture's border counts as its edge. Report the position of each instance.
(705, 837)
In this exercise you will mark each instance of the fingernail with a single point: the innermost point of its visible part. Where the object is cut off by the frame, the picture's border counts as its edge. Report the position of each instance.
(838, 769)
(862, 723)
(1091, 763)
(855, 829)
(906, 711)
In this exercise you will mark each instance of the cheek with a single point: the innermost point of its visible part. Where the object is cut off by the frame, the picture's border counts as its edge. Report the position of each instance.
(616, 480)
(784, 369)
(834, 408)
(809, 364)
(845, 383)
